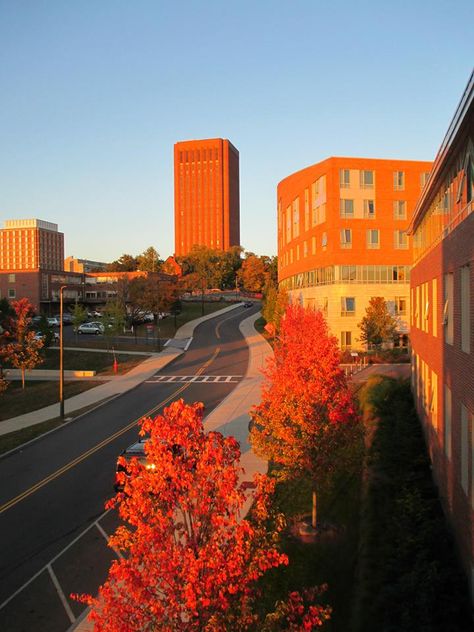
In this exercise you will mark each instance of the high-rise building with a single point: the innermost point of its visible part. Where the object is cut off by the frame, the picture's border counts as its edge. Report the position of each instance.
(442, 322)
(206, 195)
(31, 244)
(342, 239)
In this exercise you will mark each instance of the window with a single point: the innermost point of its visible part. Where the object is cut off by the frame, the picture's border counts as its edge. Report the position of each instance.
(434, 400)
(305, 248)
(347, 306)
(465, 309)
(11, 292)
(296, 217)
(346, 208)
(399, 180)
(424, 178)
(400, 209)
(306, 209)
(344, 178)
(448, 309)
(464, 448)
(373, 238)
(369, 209)
(346, 238)
(400, 240)
(324, 240)
(366, 179)
(11, 278)
(434, 298)
(401, 305)
(447, 420)
(346, 340)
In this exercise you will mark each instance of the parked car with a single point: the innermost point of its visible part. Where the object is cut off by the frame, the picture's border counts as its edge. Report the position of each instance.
(94, 314)
(248, 304)
(91, 328)
(41, 336)
(53, 321)
(67, 318)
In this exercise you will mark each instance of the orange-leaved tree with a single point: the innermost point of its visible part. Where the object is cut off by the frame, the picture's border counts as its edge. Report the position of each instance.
(23, 351)
(306, 422)
(191, 562)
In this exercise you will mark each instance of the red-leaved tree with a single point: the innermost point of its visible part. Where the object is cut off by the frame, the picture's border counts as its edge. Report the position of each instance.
(191, 562)
(306, 421)
(23, 350)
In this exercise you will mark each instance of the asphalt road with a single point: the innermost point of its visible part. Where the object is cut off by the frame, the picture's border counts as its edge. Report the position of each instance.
(52, 492)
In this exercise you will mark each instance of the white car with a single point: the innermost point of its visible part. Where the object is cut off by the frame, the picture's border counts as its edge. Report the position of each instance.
(53, 321)
(40, 336)
(91, 328)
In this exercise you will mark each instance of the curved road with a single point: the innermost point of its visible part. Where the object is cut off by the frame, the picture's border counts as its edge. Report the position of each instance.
(52, 492)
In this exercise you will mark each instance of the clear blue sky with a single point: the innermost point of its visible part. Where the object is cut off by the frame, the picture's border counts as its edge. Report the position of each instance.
(94, 93)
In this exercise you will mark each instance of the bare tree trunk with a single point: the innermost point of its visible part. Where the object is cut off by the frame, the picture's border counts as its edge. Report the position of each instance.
(314, 512)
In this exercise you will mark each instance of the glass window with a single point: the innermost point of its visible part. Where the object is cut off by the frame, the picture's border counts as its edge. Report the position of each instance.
(11, 278)
(347, 306)
(346, 238)
(367, 179)
(324, 240)
(398, 180)
(400, 240)
(369, 209)
(448, 323)
(373, 238)
(400, 209)
(11, 292)
(346, 208)
(424, 178)
(344, 178)
(465, 310)
(346, 340)
(400, 305)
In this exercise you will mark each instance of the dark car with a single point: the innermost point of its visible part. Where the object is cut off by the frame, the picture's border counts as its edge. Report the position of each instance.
(248, 304)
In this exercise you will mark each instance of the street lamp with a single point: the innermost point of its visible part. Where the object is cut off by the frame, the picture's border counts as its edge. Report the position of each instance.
(61, 363)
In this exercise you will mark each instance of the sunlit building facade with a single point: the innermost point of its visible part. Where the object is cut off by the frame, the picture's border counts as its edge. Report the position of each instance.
(29, 244)
(342, 238)
(206, 195)
(442, 317)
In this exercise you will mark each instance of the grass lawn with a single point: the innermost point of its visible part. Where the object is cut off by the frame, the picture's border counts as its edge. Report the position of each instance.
(331, 559)
(84, 361)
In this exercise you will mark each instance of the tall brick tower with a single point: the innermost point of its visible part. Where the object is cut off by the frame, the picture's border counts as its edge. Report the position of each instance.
(206, 195)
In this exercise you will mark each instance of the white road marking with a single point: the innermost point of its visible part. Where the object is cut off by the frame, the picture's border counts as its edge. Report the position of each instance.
(198, 379)
(61, 594)
(106, 536)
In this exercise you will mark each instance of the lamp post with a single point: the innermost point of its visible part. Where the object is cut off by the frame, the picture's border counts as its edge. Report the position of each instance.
(61, 363)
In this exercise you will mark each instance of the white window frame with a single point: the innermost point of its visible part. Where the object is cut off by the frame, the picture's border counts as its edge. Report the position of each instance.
(343, 182)
(398, 240)
(400, 209)
(398, 180)
(344, 309)
(371, 245)
(368, 214)
(343, 212)
(346, 238)
(362, 181)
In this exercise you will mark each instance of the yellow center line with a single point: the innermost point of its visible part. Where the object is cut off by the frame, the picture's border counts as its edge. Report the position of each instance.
(88, 453)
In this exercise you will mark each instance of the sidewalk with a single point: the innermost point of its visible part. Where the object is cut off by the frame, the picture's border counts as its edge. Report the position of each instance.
(115, 384)
(231, 417)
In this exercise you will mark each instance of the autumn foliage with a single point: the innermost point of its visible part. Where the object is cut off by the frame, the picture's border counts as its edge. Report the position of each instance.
(307, 419)
(191, 562)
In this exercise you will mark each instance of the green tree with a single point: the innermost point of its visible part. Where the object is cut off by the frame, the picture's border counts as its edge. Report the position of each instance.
(79, 316)
(149, 261)
(126, 263)
(113, 319)
(275, 301)
(378, 325)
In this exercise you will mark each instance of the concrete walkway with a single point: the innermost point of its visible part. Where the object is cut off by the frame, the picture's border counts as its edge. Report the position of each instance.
(115, 385)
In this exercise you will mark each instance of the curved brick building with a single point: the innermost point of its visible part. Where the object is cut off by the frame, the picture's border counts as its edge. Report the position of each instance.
(342, 238)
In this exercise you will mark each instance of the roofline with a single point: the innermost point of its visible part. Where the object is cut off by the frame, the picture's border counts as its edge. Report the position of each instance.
(462, 109)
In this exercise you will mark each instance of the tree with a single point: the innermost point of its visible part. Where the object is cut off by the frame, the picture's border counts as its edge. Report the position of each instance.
(149, 261)
(113, 319)
(306, 421)
(378, 325)
(126, 263)
(23, 351)
(190, 563)
(79, 316)
(274, 305)
(253, 274)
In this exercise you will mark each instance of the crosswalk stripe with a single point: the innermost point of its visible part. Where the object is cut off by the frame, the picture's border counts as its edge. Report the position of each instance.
(198, 379)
